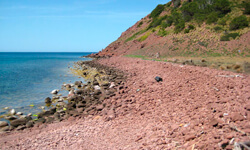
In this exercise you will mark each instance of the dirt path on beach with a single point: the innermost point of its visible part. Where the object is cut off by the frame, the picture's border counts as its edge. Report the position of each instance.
(192, 108)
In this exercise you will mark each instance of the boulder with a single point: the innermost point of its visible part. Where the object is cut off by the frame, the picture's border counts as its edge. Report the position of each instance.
(158, 79)
(48, 100)
(47, 113)
(3, 124)
(30, 124)
(55, 91)
(3, 129)
(237, 117)
(18, 122)
(78, 83)
(19, 113)
(12, 112)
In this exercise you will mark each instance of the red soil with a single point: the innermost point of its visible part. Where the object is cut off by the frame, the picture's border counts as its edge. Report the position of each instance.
(193, 107)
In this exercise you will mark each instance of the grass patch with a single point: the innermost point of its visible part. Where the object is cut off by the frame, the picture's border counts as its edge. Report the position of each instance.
(144, 37)
(135, 35)
(135, 56)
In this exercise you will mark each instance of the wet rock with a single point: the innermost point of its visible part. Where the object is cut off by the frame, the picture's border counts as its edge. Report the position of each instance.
(47, 113)
(10, 118)
(12, 111)
(18, 122)
(4, 129)
(19, 113)
(237, 117)
(48, 100)
(55, 91)
(3, 124)
(50, 120)
(41, 120)
(79, 92)
(29, 124)
(78, 83)
(158, 79)
(21, 127)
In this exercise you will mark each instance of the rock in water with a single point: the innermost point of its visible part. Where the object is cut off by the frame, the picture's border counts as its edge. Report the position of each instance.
(3, 124)
(48, 100)
(12, 112)
(55, 91)
(158, 79)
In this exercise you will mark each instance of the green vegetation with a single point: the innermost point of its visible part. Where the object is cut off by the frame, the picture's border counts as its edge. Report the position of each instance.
(157, 11)
(136, 56)
(144, 37)
(162, 32)
(134, 35)
(190, 27)
(246, 6)
(218, 29)
(227, 37)
(139, 25)
(239, 23)
(212, 18)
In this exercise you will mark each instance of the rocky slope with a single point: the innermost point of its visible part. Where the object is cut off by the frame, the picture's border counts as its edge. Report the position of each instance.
(155, 35)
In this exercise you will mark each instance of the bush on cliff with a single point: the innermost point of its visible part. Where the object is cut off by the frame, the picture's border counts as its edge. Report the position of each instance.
(239, 23)
(157, 11)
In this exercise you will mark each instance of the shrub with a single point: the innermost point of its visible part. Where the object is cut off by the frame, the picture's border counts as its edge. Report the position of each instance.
(188, 10)
(191, 27)
(222, 22)
(212, 18)
(223, 6)
(139, 25)
(218, 28)
(157, 11)
(226, 37)
(162, 32)
(177, 3)
(156, 22)
(169, 21)
(239, 23)
(180, 26)
(186, 31)
(246, 6)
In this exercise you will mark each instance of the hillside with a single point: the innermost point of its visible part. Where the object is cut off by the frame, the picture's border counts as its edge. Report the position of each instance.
(190, 28)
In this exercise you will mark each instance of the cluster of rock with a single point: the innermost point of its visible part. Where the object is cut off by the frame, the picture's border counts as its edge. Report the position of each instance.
(83, 99)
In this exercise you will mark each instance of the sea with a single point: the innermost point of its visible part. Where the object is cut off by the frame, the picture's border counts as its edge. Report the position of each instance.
(27, 78)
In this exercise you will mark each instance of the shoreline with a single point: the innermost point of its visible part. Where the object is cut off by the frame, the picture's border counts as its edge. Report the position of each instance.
(83, 98)
(192, 107)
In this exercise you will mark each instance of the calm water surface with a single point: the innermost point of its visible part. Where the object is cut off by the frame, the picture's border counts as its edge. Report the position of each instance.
(28, 78)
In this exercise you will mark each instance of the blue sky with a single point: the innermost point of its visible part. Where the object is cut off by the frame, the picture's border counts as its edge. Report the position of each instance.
(67, 25)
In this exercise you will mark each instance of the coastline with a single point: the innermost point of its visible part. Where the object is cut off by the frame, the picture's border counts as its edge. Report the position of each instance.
(182, 111)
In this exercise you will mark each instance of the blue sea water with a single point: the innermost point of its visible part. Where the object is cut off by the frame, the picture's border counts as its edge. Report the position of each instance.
(28, 78)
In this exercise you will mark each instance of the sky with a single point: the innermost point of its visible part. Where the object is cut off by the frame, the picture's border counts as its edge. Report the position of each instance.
(67, 25)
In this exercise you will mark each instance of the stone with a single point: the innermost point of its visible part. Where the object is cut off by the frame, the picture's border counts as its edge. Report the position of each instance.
(18, 122)
(19, 113)
(29, 124)
(213, 122)
(4, 129)
(190, 137)
(237, 117)
(48, 100)
(247, 107)
(21, 127)
(10, 118)
(3, 124)
(78, 83)
(41, 120)
(96, 87)
(158, 79)
(55, 91)
(12, 112)
(47, 113)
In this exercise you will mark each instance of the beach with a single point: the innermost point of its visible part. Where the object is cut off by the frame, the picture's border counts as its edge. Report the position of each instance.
(190, 108)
